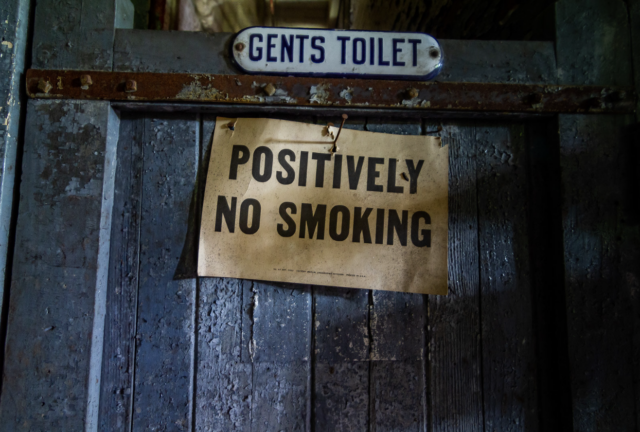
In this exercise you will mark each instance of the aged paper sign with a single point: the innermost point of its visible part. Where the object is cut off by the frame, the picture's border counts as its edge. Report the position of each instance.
(280, 206)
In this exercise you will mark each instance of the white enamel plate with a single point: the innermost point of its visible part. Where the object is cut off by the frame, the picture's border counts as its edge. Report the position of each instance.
(339, 53)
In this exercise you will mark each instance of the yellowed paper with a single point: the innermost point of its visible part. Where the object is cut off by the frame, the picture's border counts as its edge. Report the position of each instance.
(370, 229)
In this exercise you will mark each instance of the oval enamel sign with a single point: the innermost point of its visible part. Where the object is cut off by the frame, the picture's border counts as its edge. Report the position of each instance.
(339, 53)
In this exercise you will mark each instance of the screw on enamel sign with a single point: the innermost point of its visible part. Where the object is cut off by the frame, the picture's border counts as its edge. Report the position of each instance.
(338, 53)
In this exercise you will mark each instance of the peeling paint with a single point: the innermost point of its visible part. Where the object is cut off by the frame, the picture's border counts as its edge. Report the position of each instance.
(196, 91)
(411, 102)
(347, 94)
(320, 94)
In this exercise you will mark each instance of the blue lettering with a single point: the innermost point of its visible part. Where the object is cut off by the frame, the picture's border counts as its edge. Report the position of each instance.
(415, 43)
(397, 50)
(270, 45)
(381, 60)
(363, 50)
(286, 46)
(320, 48)
(372, 51)
(252, 56)
(302, 38)
(344, 40)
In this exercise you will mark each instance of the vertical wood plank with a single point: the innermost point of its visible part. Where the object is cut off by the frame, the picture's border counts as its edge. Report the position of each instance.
(397, 389)
(397, 326)
(119, 335)
(455, 367)
(163, 381)
(508, 347)
(601, 232)
(54, 273)
(341, 345)
(341, 359)
(277, 339)
(223, 382)
(341, 325)
(280, 396)
(277, 322)
(78, 35)
(593, 43)
(341, 396)
(600, 244)
(397, 398)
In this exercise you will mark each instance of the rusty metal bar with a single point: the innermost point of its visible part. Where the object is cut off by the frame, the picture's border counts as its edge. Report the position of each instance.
(305, 91)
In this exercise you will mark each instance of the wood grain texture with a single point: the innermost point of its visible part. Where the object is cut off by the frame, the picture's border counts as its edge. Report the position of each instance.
(276, 341)
(224, 397)
(165, 334)
(508, 345)
(341, 396)
(600, 242)
(276, 322)
(78, 35)
(499, 61)
(223, 383)
(599, 216)
(397, 326)
(455, 367)
(281, 396)
(120, 322)
(397, 396)
(340, 325)
(54, 274)
(593, 43)
(154, 51)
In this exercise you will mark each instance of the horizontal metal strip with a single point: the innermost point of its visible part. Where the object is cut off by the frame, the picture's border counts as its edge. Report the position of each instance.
(347, 93)
(244, 110)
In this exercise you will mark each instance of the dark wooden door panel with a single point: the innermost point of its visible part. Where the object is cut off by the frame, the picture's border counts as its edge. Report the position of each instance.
(454, 337)
(189, 353)
(508, 344)
(224, 384)
(55, 267)
(601, 261)
(122, 295)
(166, 305)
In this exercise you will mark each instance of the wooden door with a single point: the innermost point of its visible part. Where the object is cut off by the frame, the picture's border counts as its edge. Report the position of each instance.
(227, 354)
(108, 328)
